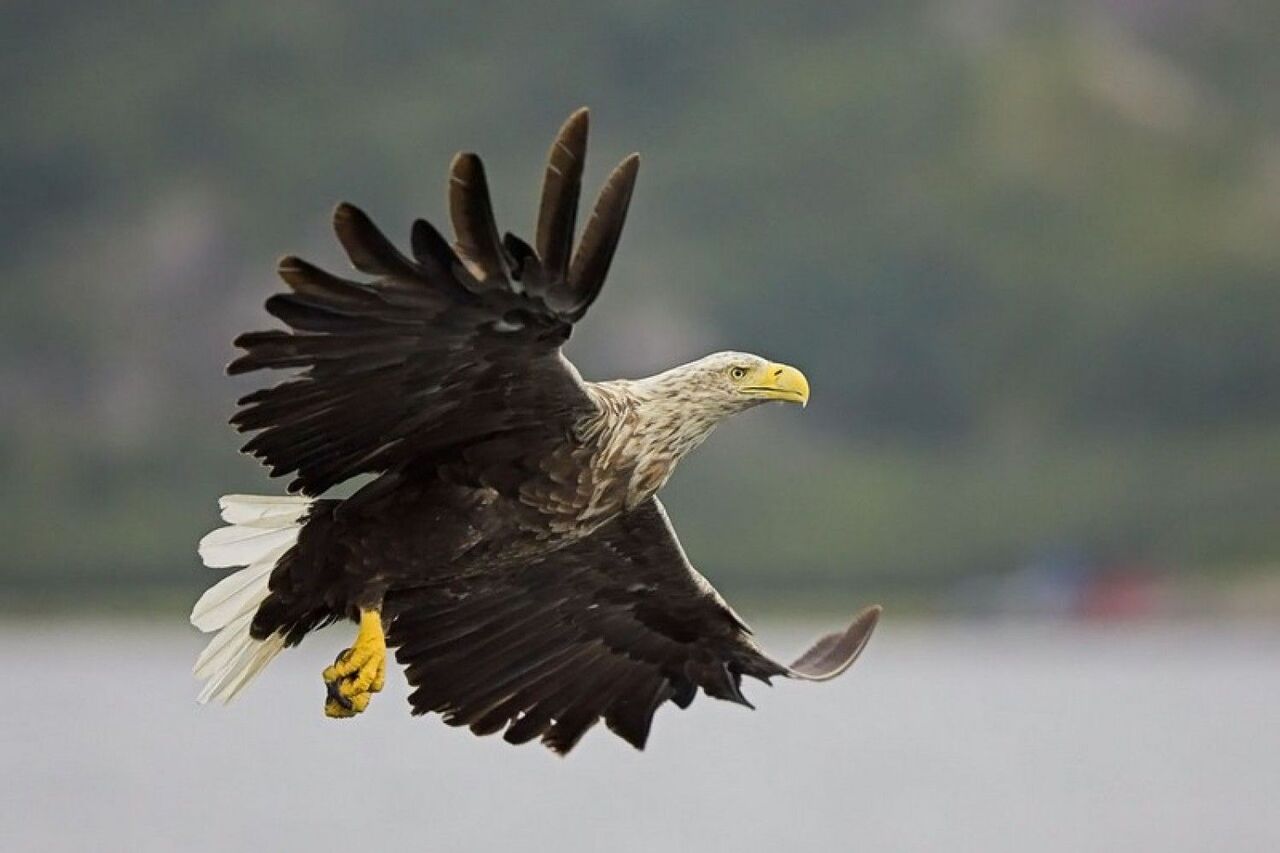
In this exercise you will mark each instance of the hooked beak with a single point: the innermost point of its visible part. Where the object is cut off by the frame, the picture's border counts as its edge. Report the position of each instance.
(779, 382)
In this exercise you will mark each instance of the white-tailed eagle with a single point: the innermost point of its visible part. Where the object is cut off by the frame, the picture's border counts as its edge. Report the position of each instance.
(510, 546)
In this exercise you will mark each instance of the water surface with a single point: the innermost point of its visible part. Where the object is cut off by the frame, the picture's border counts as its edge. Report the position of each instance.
(952, 736)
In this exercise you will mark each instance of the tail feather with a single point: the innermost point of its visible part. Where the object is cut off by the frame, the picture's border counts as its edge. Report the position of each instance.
(248, 663)
(262, 530)
(241, 545)
(223, 648)
(235, 594)
(262, 510)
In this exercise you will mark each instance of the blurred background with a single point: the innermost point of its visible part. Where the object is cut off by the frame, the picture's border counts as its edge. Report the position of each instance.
(1026, 252)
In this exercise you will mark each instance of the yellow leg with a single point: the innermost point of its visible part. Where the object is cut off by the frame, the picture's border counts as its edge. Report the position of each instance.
(359, 671)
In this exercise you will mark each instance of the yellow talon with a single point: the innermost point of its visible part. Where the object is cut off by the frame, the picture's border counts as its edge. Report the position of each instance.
(359, 672)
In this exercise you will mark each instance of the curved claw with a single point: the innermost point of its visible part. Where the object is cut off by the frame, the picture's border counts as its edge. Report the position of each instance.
(335, 694)
(336, 709)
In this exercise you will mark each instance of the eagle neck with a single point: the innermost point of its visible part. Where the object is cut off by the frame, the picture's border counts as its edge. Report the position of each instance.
(644, 427)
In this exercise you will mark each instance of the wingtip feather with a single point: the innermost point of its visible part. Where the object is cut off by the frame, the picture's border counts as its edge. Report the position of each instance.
(834, 653)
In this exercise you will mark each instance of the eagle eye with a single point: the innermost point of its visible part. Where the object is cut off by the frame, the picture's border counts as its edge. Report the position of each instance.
(737, 373)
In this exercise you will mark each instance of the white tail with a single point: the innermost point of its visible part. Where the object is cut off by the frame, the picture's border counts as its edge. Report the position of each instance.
(262, 530)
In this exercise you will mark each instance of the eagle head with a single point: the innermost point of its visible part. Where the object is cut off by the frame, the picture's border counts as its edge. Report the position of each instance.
(729, 382)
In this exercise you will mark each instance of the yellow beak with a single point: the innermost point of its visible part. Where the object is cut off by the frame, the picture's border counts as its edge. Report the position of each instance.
(779, 382)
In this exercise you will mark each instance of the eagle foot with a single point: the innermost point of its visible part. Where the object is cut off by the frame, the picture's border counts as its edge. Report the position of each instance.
(358, 672)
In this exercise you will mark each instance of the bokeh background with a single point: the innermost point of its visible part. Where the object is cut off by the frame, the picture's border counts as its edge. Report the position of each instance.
(1026, 252)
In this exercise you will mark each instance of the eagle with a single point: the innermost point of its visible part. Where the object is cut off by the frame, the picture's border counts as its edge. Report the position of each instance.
(504, 537)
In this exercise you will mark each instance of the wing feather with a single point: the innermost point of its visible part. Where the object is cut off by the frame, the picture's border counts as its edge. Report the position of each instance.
(476, 240)
(561, 188)
(368, 248)
(456, 348)
(600, 237)
(610, 627)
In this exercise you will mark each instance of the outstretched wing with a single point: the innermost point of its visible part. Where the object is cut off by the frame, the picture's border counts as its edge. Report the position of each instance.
(610, 628)
(454, 346)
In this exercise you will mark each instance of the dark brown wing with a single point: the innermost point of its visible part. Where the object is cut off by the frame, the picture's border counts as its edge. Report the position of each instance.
(610, 628)
(452, 347)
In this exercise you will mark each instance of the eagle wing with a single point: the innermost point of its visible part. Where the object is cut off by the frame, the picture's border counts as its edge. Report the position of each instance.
(611, 626)
(453, 347)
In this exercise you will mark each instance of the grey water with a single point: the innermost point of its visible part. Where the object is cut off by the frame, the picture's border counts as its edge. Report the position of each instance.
(948, 736)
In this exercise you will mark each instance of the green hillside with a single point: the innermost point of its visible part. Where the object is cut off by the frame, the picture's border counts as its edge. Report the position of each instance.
(1028, 256)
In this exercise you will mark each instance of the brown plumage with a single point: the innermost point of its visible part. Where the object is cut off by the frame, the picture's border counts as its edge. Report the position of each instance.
(511, 538)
